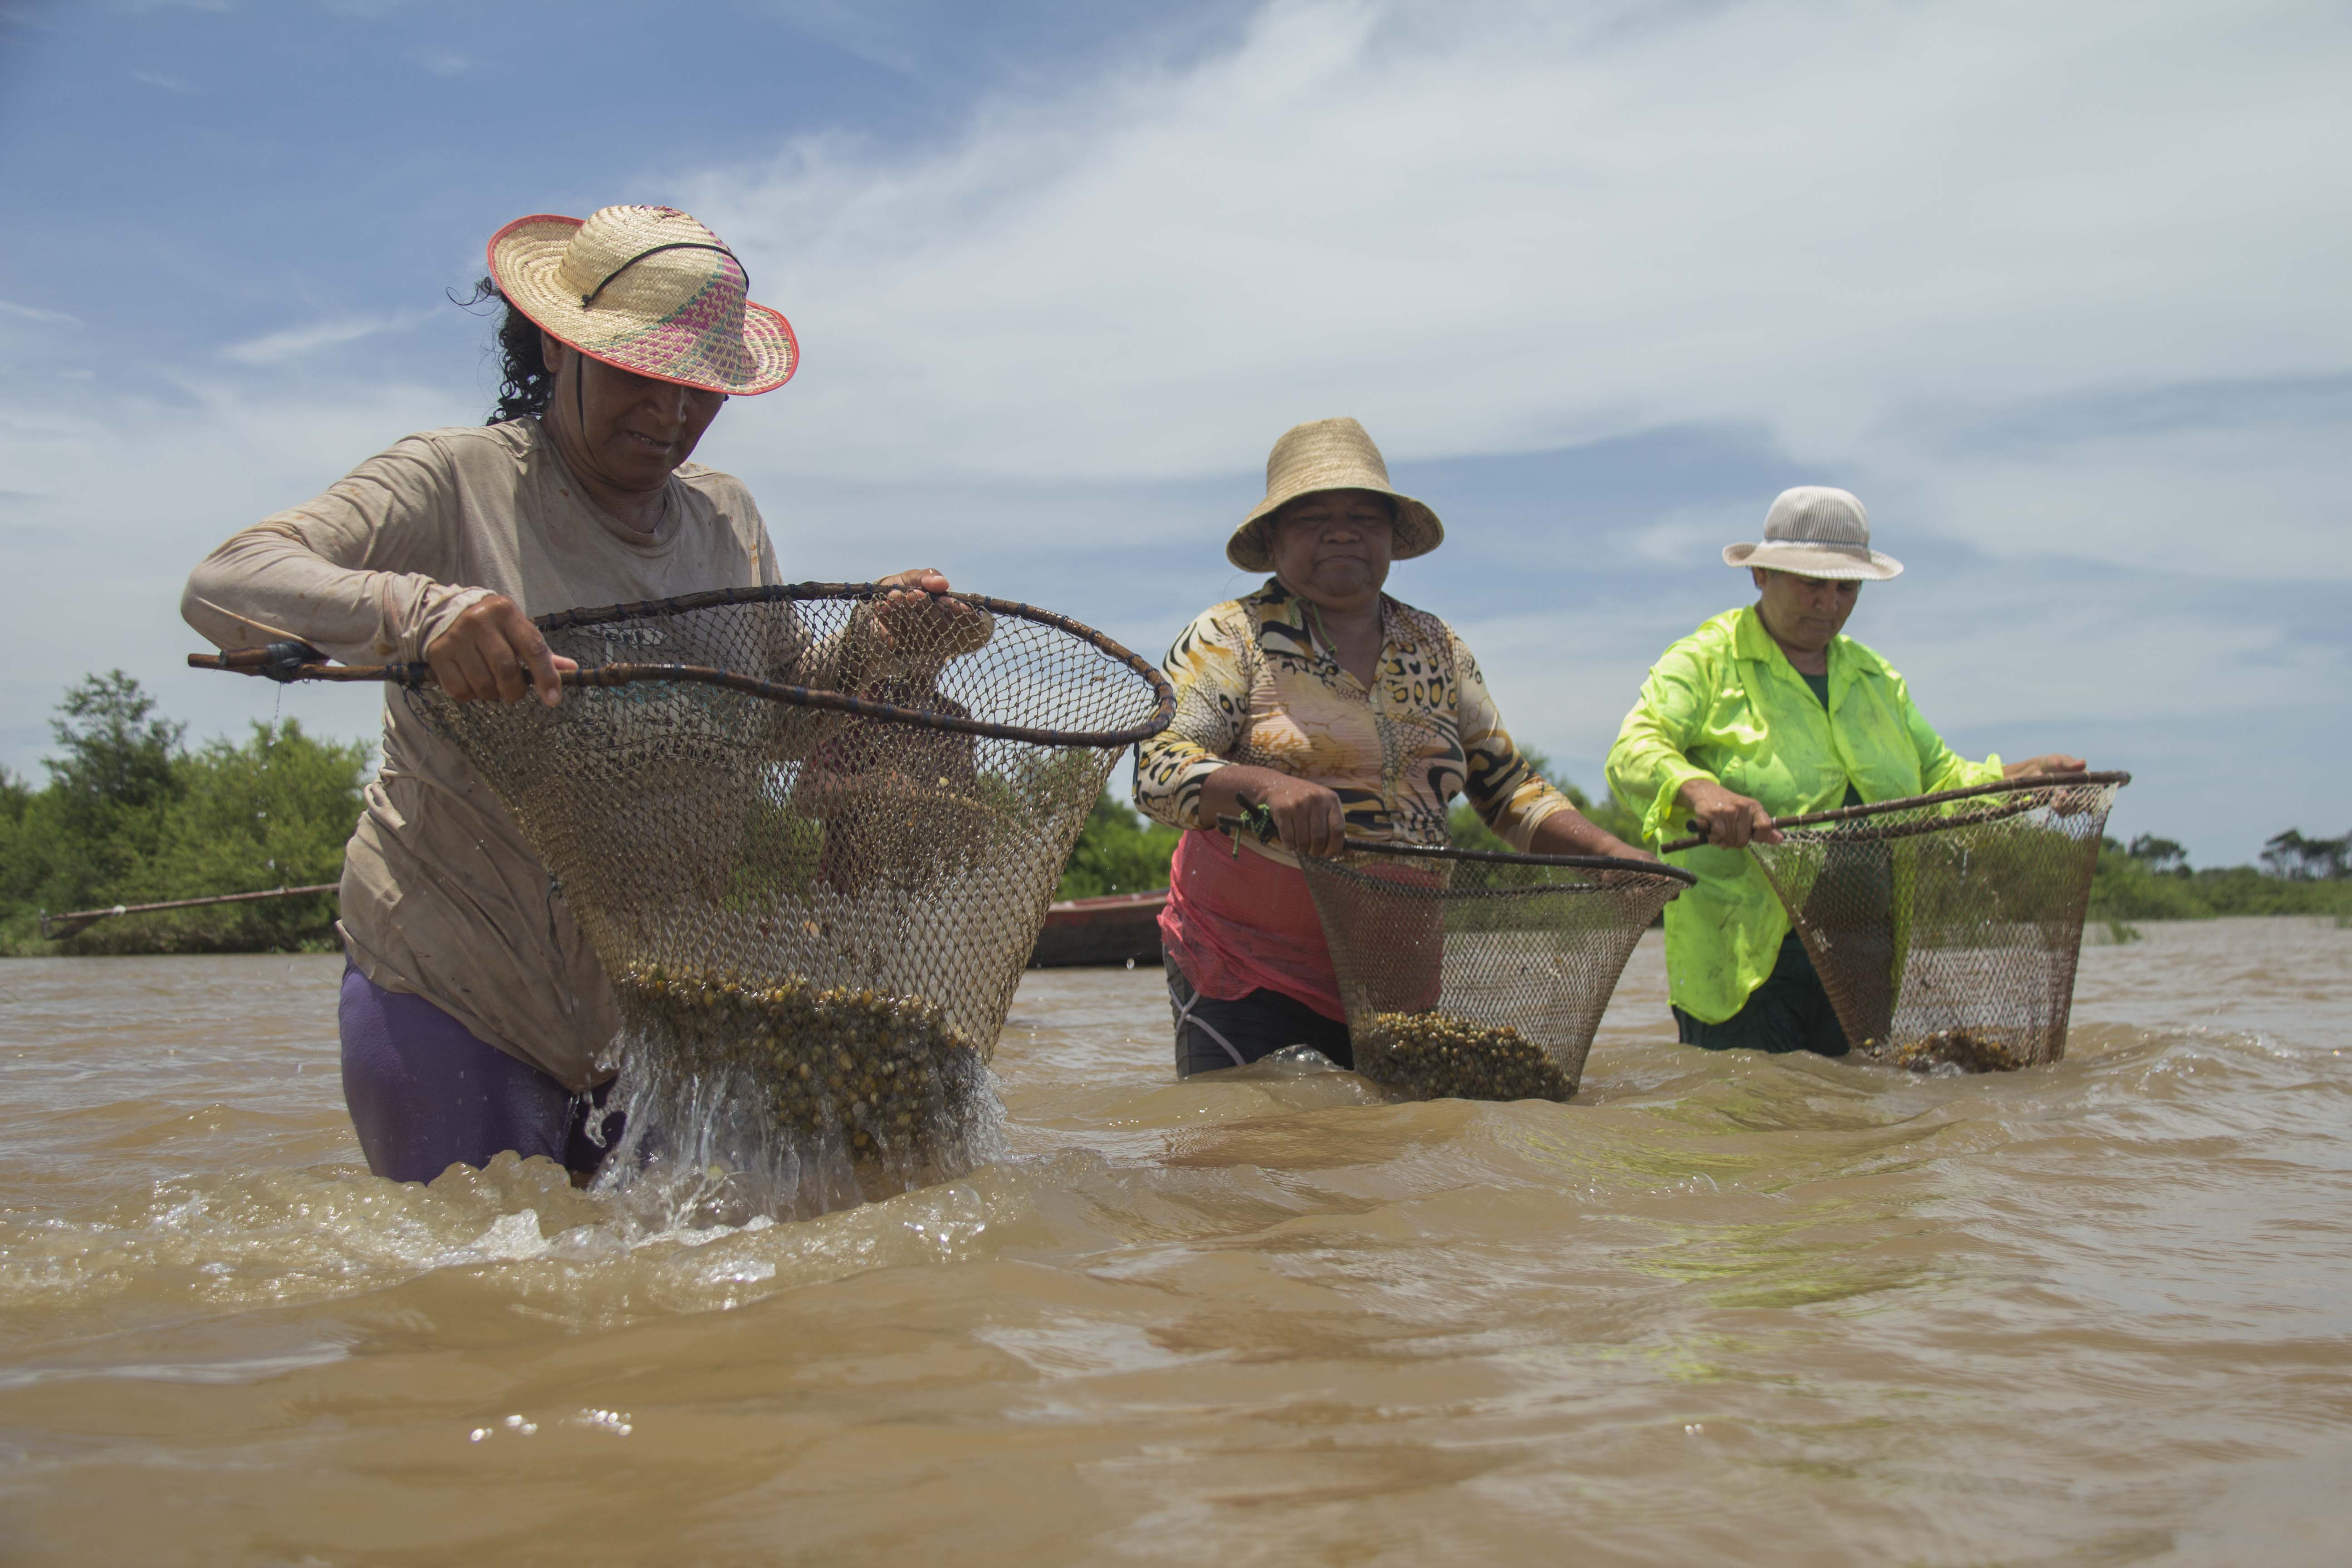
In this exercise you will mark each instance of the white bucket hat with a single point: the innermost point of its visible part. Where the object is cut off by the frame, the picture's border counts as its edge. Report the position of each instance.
(1815, 530)
(1329, 455)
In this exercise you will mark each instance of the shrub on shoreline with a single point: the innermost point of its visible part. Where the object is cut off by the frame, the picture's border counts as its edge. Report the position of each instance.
(2138, 887)
(1117, 852)
(131, 815)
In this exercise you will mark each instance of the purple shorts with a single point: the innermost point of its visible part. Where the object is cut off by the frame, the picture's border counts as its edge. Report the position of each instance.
(427, 1093)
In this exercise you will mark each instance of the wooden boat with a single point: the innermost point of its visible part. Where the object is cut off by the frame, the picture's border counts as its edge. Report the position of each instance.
(1110, 930)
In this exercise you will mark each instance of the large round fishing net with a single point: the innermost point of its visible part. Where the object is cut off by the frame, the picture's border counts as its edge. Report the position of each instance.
(1476, 975)
(1946, 927)
(811, 833)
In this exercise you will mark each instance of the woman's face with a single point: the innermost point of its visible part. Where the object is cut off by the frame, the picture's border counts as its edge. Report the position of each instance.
(634, 430)
(1805, 613)
(1332, 547)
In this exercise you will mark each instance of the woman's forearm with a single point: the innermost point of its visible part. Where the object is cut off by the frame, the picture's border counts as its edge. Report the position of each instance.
(268, 585)
(1697, 791)
(1226, 790)
(1307, 816)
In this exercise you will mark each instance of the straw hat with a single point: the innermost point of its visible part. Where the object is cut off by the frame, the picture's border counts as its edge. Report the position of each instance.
(648, 290)
(1815, 530)
(1329, 455)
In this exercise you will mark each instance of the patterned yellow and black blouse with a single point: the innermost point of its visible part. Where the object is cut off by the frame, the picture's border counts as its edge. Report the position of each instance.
(1255, 685)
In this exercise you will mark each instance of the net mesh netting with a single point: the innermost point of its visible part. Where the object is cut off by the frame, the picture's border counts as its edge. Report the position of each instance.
(1479, 976)
(815, 899)
(1947, 930)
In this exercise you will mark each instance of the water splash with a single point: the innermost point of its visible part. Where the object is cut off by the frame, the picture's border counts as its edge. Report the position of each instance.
(698, 1150)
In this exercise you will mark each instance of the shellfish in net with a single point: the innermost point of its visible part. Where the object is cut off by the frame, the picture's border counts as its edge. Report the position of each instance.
(1946, 927)
(811, 833)
(1473, 974)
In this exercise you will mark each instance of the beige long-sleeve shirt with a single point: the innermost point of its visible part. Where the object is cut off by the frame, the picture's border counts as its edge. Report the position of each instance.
(440, 895)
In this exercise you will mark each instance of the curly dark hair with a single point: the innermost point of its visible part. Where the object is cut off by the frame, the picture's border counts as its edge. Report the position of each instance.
(527, 382)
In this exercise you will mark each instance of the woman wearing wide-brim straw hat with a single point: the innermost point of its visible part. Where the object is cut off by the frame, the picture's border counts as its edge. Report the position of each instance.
(473, 1017)
(1345, 714)
(1771, 710)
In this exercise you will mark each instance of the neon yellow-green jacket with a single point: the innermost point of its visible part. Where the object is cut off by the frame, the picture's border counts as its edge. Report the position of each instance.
(1726, 703)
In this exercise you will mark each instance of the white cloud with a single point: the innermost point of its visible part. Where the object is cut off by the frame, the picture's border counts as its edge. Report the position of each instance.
(274, 348)
(871, 33)
(110, 560)
(446, 64)
(1927, 250)
(34, 314)
(1498, 229)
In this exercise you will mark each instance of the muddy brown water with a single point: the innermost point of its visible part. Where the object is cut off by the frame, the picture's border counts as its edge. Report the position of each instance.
(1720, 1308)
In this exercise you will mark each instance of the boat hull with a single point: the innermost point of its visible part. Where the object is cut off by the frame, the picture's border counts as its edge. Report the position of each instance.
(1113, 931)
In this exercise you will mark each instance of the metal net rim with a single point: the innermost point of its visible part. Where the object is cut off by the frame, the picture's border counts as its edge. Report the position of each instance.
(1512, 857)
(1657, 868)
(1864, 824)
(1643, 875)
(292, 661)
(1865, 812)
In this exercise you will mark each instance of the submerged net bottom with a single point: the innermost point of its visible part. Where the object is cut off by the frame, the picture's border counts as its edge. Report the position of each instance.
(808, 1097)
(814, 919)
(1476, 980)
(1445, 1055)
(1948, 936)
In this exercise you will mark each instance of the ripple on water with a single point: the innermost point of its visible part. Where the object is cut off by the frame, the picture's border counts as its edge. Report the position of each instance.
(517, 1232)
(1718, 1308)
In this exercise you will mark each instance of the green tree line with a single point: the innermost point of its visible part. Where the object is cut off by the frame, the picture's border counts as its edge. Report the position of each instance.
(130, 813)
(2151, 878)
(1119, 851)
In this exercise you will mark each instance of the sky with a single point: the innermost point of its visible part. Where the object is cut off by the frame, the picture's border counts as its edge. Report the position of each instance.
(2059, 290)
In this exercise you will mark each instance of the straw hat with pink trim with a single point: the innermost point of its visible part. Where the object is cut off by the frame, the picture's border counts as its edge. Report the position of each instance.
(648, 290)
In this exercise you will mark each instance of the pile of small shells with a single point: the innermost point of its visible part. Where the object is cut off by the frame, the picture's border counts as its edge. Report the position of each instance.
(1962, 1049)
(1437, 1056)
(885, 1074)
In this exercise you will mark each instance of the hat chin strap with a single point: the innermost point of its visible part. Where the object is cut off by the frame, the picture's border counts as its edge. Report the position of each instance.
(589, 299)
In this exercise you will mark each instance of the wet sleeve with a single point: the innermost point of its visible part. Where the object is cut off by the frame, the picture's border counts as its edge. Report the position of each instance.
(360, 572)
(1940, 768)
(1650, 763)
(1208, 671)
(1507, 795)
